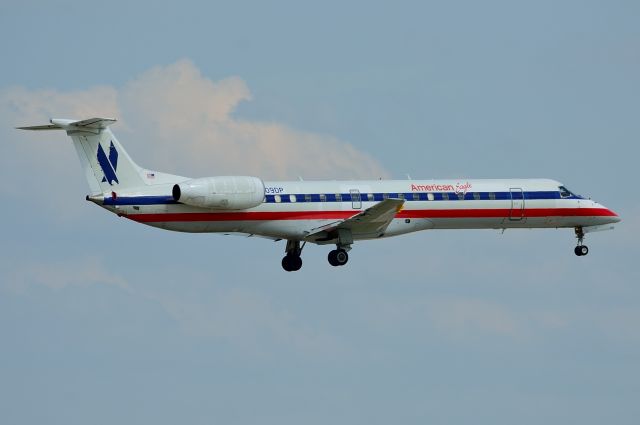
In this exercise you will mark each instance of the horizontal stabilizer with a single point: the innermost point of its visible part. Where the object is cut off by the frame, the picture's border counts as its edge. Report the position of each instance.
(64, 124)
(106, 165)
(41, 127)
(93, 123)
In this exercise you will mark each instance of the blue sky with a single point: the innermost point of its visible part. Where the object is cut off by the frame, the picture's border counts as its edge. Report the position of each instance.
(103, 320)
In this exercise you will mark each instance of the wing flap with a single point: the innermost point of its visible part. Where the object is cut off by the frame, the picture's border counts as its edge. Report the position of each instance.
(370, 221)
(374, 219)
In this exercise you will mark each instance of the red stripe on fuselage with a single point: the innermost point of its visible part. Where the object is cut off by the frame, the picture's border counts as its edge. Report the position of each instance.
(242, 216)
(506, 212)
(333, 215)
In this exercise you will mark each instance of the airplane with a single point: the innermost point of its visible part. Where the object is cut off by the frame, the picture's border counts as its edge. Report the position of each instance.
(321, 212)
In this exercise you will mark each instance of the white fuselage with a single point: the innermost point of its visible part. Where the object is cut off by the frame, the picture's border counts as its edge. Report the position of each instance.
(292, 209)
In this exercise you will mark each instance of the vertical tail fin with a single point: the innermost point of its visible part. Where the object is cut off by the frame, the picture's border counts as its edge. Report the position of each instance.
(106, 164)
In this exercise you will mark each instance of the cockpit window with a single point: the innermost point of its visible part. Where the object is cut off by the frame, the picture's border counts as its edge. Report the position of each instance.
(564, 192)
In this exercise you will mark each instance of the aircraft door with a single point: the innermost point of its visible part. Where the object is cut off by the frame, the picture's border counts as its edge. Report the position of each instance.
(356, 200)
(517, 204)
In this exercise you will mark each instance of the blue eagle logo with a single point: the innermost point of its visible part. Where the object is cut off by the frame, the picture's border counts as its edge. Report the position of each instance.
(109, 165)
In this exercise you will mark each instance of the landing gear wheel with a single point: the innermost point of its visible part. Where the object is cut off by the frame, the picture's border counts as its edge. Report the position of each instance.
(581, 250)
(342, 257)
(291, 263)
(285, 263)
(338, 257)
(332, 258)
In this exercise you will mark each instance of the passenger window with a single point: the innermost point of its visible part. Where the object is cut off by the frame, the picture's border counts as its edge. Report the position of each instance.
(492, 196)
(445, 196)
(338, 197)
(307, 198)
(461, 196)
(370, 196)
(476, 196)
(292, 198)
(430, 196)
(323, 197)
(277, 198)
(416, 196)
(385, 196)
(400, 195)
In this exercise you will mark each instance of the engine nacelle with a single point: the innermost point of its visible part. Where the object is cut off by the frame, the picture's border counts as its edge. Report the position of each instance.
(223, 193)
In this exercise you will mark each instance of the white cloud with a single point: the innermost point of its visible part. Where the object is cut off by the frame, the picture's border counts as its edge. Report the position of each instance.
(45, 163)
(28, 107)
(453, 318)
(468, 319)
(462, 317)
(185, 124)
(243, 318)
(247, 319)
(60, 275)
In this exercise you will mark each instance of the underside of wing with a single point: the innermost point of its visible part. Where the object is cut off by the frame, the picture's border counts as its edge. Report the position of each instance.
(371, 222)
(40, 127)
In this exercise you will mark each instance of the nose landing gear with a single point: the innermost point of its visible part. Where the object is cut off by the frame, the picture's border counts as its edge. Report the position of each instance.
(580, 249)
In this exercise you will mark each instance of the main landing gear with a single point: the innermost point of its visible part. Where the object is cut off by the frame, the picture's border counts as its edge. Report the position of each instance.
(338, 257)
(292, 261)
(580, 249)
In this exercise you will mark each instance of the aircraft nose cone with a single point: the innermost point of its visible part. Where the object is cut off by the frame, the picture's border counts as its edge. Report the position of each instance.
(612, 216)
(615, 218)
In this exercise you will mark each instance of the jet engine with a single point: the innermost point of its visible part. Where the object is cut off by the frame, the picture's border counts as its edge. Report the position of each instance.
(222, 193)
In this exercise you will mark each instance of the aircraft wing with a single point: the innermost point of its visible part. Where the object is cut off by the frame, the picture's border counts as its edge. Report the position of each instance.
(373, 220)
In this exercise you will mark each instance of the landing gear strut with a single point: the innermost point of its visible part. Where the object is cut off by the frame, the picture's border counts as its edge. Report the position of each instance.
(292, 261)
(580, 249)
(339, 256)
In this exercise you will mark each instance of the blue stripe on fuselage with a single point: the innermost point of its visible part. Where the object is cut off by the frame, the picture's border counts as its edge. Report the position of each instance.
(423, 196)
(364, 197)
(140, 200)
